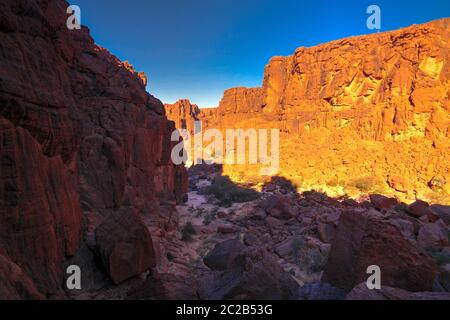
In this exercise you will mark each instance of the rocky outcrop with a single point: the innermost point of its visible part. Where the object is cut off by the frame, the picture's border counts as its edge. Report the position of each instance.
(183, 113)
(239, 272)
(125, 246)
(363, 240)
(82, 142)
(360, 115)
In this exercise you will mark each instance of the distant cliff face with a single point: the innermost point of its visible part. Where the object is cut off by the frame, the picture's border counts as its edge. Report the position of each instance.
(183, 113)
(358, 115)
(84, 156)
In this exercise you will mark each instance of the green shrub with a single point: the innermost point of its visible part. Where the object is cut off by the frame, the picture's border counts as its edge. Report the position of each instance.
(438, 256)
(210, 217)
(368, 184)
(228, 192)
(298, 244)
(187, 232)
(312, 259)
(316, 260)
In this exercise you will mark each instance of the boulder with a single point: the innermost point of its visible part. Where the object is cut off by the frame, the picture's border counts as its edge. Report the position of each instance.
(223, 254)
(442, 211)
(280, 207)
(433, 235)
(251, 239)
(362, 240)
(273, 222)
(286, 247)
(406, 227)
(258, 214)
(419, 208)
(254, 274)
(381, 202)
(227, 229)
(125, 246)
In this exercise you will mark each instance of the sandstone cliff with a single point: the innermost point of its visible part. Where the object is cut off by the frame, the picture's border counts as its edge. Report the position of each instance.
(183, 113)
(358, 115)
(84, 157)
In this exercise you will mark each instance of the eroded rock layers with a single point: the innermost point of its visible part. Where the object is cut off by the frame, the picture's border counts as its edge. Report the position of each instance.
(358, 115)
(85, 164)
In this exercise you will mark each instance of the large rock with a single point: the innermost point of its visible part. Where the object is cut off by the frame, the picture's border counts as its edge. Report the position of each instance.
(253, 273)
(125, 246)
(223, 254)
(433, 235)
(442, 212)
(382, 202)
(361, 241)
(279, 207)
(419, 208)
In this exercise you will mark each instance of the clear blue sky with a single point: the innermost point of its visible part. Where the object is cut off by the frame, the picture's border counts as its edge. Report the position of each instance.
(198, 48)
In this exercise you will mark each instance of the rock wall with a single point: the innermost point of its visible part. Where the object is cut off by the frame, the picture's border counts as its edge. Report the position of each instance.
(82, 145)
(357, 115)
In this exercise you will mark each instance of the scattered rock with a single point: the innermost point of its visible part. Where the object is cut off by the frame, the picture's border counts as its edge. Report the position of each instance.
(285, 248)
(251, 240)
(273, 222)
(226, 229)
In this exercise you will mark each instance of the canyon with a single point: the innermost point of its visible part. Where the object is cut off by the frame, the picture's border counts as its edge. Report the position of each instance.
(87, 179)
(358, 115)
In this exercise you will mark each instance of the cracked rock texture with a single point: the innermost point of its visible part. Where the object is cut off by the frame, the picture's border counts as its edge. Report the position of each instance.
(82, 145)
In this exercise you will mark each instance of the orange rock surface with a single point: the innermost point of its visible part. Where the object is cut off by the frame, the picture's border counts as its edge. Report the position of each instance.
(359, 115)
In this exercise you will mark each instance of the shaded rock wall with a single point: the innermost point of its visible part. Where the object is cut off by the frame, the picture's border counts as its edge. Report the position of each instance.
(80, 139)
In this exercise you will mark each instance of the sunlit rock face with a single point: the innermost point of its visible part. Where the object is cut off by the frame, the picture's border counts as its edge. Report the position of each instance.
(368, 114)
(80, 140)
(183, 113)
